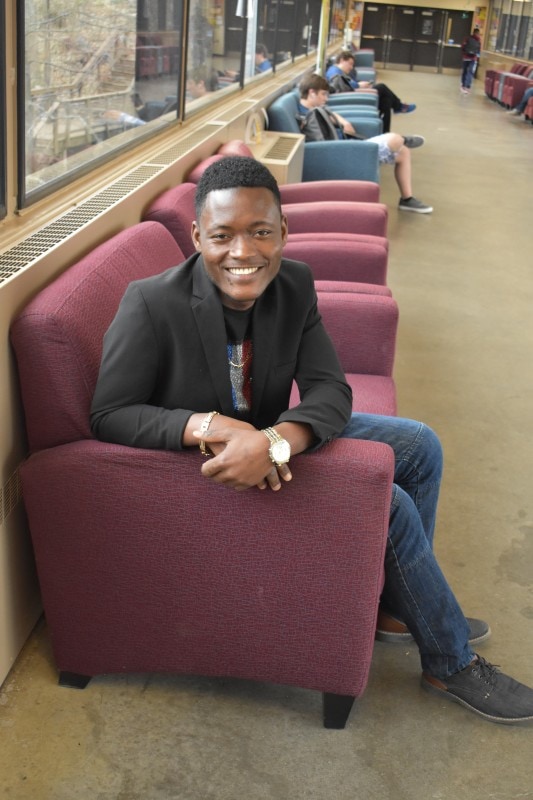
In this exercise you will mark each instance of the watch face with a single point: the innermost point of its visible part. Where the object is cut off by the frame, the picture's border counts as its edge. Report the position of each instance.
(280, 452)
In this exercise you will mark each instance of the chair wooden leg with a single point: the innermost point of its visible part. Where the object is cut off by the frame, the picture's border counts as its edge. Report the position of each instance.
(336, 709)
(73, 680)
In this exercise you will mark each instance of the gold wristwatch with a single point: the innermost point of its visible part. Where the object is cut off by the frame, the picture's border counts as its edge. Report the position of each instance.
(279, 450)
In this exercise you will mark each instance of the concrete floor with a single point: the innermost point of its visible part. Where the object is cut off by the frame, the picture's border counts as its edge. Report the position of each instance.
(463, 279)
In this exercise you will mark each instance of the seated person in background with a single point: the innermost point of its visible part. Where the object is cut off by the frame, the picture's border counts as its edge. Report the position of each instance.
(152, 109)
(262, 61)
(173, 378)
(199, 83)
(342, 77)
(393, 148)
(125, 119)
(521, 107)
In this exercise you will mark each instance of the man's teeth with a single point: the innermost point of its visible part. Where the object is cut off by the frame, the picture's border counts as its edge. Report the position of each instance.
(243, 270)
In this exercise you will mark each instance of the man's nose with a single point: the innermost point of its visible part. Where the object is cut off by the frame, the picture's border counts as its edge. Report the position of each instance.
(242, 246)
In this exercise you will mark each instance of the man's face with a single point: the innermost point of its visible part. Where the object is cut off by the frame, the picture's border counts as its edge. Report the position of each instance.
(317, 98)
(347, 65)
(241, 235)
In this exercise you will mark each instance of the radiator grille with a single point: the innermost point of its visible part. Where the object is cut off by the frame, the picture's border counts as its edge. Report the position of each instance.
(39, 243)
(281, 149)
(188, 143)
(48, 237)
(10, 495)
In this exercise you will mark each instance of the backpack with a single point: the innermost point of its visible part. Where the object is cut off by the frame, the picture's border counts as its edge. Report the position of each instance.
(340, 83)
(472, 46)
(318, 126)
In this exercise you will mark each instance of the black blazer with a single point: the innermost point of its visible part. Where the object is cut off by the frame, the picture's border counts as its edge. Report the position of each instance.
(165, 358)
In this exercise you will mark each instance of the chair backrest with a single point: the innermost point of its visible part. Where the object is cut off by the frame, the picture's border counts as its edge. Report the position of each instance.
(364, 58)
(175, 210)
(58, 336)
(282, 113)
(235, 147)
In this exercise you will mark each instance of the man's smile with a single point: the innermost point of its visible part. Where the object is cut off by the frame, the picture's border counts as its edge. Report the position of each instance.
(243, 270)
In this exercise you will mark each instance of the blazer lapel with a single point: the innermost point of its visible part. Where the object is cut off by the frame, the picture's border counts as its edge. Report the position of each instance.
(207, 310)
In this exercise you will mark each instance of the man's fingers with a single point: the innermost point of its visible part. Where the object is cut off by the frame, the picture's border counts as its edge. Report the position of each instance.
(285, 472)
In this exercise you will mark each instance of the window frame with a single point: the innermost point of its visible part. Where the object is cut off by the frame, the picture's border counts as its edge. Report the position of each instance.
(3, 115)
(26, 198)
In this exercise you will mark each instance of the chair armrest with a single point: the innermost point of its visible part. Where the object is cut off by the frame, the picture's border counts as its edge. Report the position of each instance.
(352, 286)
(343, 259)
(342, 160)
(318, 191)
(357, 98)
(145, 566)
(365, 126)
(338, 217)
(366, 74)
(363, 329)
(365, 99)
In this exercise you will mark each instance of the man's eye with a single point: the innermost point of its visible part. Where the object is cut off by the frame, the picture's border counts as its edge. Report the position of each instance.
(262, 233)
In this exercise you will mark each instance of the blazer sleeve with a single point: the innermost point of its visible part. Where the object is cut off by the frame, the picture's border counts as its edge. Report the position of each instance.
(121, 412)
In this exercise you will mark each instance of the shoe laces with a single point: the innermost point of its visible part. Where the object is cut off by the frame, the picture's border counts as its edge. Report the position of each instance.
(487, 672)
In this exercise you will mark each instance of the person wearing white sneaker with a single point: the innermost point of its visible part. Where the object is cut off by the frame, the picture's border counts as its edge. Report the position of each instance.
(392, 147)
(521, 107)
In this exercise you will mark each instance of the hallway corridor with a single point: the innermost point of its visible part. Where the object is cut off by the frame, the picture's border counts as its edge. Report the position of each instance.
(463, 279)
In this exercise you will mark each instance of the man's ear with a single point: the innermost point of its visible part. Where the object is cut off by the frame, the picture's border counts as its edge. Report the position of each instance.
(195, 236)
(284, 229)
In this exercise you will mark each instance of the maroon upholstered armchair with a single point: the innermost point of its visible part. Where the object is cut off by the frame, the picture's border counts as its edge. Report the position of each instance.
(145, 566)
(341, 233)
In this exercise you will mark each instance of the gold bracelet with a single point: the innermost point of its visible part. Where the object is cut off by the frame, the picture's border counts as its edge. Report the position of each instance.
(203, 428)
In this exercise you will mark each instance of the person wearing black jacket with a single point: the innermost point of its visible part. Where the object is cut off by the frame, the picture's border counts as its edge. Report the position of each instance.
(205, 354)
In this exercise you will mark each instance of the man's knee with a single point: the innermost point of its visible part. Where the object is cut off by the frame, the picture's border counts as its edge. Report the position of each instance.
(431, 444)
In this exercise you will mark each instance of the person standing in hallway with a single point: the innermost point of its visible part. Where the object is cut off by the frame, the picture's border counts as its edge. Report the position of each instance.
(471, 48)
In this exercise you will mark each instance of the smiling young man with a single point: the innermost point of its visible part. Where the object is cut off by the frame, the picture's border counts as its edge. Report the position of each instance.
(205, 354)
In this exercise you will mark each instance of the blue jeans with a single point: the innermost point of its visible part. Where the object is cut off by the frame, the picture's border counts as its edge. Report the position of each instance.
(415, 589)
(468, 73)
(523, 102)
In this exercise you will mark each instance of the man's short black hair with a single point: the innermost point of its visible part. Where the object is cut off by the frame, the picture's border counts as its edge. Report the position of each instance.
(234, 172)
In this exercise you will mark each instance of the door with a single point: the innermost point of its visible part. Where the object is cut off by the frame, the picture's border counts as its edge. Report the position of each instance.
(429, 36)
(411, 37)
(375, 29)
(458, 26)
(402, 36)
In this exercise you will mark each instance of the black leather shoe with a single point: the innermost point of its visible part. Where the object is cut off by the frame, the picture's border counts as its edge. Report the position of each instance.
(486, 691)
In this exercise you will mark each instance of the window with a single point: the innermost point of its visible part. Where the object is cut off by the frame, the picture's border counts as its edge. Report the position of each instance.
(213, 51)
(102, 75)
(511, 28)
(98, 74)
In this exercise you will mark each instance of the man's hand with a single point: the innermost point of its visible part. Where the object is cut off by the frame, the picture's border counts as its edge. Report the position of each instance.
(241, 457)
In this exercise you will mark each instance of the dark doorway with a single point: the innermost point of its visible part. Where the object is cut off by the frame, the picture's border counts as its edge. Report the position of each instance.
(409, 37)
